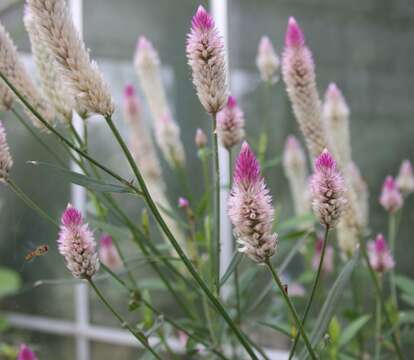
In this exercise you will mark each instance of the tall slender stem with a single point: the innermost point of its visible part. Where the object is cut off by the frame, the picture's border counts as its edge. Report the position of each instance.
(379, 295)
(29, 202)
(292, 310)
(158, 217)
(378, 321)
(313, 291)
(216, 203)
(391, 239)
(140, 337)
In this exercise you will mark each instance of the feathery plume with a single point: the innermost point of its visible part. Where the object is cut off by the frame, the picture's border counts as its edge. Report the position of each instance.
(25, 353)
(294, 165)
(80, 74)
(200, 139)
(108, 254)
(267, 61)
(13, 69)
(405, 178)
(335, 116)
(230, 124)
(77, 245)
(6, 161)
(52, 88)
(298, 72)
(391, 198)
(328, 260)
(205, 54)
(167, 134)
(327, 190)
(250, 208)
(380, 257)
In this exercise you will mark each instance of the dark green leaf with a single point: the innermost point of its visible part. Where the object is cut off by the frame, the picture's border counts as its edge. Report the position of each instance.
(331, 304)
(10, 282)
(83, 180)
(352, 329)
(235, 260)
(405, 284)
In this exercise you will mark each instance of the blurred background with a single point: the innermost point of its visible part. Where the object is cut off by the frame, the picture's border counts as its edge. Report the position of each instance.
(365, 46)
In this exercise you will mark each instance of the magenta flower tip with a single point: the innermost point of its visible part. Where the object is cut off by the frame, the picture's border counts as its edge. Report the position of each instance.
(183, 203)
(231, 102)
(129, 90)
(202, 20)
(389, 183)
(143, 43)
(25, 353)
(380, 244)
(294, 35)
(265, 44)
(379, 255)
(247, 167)
(325, 161)
(71, 217)
(106, 240)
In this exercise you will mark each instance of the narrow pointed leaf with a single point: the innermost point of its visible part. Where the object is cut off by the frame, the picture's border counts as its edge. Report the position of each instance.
(235, 260)
(353, 329)
(278, 326)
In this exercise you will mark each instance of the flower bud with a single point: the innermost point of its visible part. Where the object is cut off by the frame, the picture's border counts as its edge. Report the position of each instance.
(25, 353)
(380, 257)
(108, 254)
(267, 61)
(405, 178)
(183, 203)
(200, 139)
(391, 198)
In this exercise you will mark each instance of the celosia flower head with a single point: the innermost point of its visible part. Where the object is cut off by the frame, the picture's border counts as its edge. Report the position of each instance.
(250, 209)
(6, 161)
(77, 244)
(183, 203)
(380, 257)
(391, 198)
(230, 124)
(299, 75)
(267, 61)
(405, 178)
(200, 139)
(328, 261)
(205, 53)
(327, 190)
(108, 254)
(25, 353)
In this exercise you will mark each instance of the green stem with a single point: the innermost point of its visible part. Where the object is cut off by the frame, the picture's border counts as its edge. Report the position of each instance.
(216, 165)
(379, 294)
(292, 310)
(30, 203)
(38, 138)
(158, 217)
(140, 337)
(391, 239)
(378, 329)
(313, 291)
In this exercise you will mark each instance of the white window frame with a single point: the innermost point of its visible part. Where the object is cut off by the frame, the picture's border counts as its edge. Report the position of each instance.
(81, 328)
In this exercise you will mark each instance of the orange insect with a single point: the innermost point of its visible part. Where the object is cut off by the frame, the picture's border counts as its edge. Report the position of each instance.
(39, 251)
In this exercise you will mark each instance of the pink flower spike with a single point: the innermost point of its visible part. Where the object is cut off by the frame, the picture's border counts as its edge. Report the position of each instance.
(328, 190)
(183, 203)
(294, 35)
(380, 257)
(108, 253)
(247, 169)
(231, 102)
(405, 178)
(25, 353)
(230, 124)
(202, 20)
(77, 245)
(391, 198)
(267, 61)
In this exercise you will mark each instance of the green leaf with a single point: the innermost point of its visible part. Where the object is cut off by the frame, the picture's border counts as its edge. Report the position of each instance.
(331, 304)
(405, 284)
(83, 180)
(235, 260)
(278, 326)
(117, 232)
(408, 299)
(352, 329)
(294, 222)
(406, 317)
(10, 282)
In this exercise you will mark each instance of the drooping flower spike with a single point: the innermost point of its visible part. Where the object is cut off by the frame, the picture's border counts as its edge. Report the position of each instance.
(108, 254)
(6, 161)
(267, 61)
(205, 54)
(250, 209)
(380, 257)
(230, 124)
(405, 178)
(25, 353)
(327, 190)
(391, 198)
(76, 243)
(298, 72)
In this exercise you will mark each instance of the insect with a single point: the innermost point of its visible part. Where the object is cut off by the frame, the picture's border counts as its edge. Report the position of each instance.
(39, 251)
